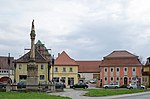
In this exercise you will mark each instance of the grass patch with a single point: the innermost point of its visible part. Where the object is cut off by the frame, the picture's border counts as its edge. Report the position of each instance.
(111, 92)
(28, 95)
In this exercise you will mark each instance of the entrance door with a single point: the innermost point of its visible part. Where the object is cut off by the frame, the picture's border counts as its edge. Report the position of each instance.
(125, 81)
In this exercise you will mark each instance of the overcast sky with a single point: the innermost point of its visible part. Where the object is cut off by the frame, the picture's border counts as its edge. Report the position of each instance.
(85, 29)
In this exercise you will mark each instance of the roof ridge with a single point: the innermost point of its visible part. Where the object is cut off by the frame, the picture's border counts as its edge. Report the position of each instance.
(65, 59)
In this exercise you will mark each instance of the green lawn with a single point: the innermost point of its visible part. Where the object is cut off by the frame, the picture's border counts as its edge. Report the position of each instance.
(110, 92)
(28, 95)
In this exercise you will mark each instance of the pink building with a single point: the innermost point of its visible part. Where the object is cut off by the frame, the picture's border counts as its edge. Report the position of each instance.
(120, 67)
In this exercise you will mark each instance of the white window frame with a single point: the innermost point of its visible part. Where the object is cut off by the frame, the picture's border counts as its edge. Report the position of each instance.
(112, 69)
(118, 68)
(134, 68)
(118, 79)
(106, 78)
(106, 69)
(112, 79)
(126, 68)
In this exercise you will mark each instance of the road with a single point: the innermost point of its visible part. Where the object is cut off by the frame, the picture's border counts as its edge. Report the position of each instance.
(78, 94)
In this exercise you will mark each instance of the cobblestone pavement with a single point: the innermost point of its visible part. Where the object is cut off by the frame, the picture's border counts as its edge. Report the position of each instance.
(78, 94)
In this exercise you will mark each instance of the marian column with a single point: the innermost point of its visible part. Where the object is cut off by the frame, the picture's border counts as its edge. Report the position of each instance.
(32, 67)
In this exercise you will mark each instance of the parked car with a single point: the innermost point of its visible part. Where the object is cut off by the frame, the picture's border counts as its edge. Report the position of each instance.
(21, 84)
(2, 85)
(79, 85)
(59, 85)
(93, 81)
(111, 85)
(136, 86)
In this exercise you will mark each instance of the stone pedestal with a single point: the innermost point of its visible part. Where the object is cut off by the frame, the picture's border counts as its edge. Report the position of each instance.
(8, 88)
(51, 88)
(32, 76)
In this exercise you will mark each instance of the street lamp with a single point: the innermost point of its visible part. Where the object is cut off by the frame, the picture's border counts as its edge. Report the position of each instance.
(15, 65)
(53, 68)
(49, 67)
(9, 67)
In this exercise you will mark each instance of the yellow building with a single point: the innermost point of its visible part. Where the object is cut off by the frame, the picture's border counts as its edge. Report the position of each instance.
(21, 67)
(146, 73)
(65, 70)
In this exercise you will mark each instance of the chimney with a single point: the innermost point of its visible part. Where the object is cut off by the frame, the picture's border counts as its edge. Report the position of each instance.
(58, 54)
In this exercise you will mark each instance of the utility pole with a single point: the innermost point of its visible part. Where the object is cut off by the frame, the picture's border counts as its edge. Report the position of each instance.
(53, 68)
(9, 67)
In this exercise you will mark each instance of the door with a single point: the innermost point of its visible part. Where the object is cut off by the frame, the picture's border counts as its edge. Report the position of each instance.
(125, 81)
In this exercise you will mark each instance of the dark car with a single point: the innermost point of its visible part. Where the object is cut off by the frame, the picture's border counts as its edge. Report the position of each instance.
(2, 85)
(59, 85)
(79, 85)
(21, 84)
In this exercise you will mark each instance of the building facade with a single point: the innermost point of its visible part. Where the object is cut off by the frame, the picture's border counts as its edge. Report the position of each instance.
(6, 71)
(65, 70)
(88, 70)
(146, 73)
(120, 67)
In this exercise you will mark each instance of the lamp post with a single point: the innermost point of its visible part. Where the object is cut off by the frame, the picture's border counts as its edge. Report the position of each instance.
(49, 67)
(15, 65)
(9, 67)
(53, 68)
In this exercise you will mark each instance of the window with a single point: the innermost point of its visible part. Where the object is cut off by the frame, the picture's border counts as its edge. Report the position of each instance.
(56, 69)
(70, 81)
(105, 69)
(117, 78)
(63, 79)
(56, 79)
(70, 69)
(125, 69)
(133, 78)
(64, 69)
(42, 66)
(133, 69)
(111, 79)
(20, 66)
(41, 77)
(105, 78)
(112, 69)
(144, 79)
(118, 69)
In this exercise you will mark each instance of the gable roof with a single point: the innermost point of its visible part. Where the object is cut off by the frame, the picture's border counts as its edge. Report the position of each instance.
(64, 60)
(120, 54)
(26, 57)
(88, 66)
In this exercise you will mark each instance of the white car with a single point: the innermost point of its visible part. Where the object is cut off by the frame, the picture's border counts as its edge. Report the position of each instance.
(112, 85)
(93, 81)
(136, 86)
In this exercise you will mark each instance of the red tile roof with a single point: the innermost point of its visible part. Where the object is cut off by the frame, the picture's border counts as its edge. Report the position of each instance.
(120, 54)
(121, 58)
(64, 60)
(88, 66)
